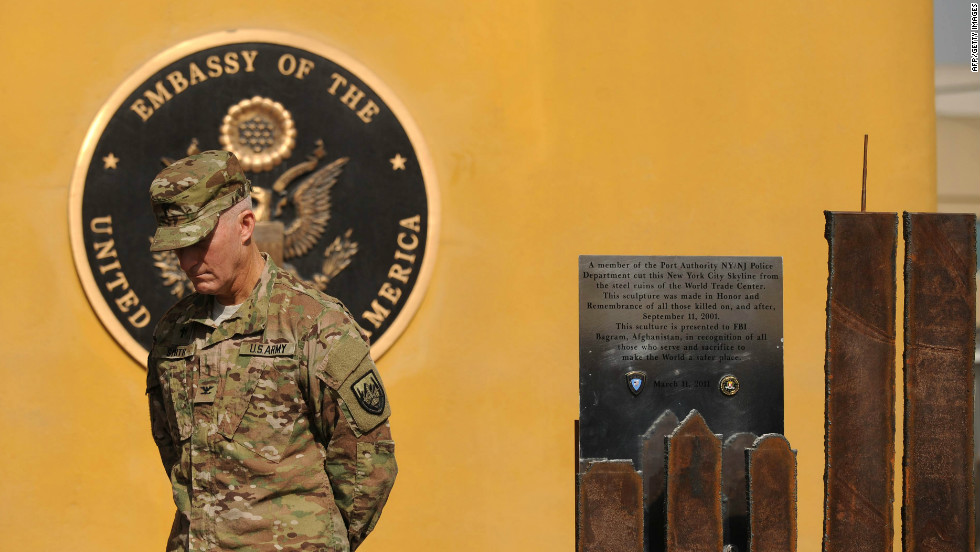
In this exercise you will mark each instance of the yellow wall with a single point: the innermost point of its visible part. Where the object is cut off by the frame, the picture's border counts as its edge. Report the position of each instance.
(556, 129)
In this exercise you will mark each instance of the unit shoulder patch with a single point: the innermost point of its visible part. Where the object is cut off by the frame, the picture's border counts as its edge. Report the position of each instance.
(369, 393)
(365, 398)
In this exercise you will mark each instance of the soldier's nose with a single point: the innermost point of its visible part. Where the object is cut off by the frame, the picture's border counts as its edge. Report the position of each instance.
(187, 257)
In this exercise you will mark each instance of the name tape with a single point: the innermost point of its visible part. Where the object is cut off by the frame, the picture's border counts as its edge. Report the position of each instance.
(267, 349)
(177, 351)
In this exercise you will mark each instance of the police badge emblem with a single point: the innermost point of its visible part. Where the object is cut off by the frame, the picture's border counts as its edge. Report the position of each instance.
(636, 379)
(343, 187)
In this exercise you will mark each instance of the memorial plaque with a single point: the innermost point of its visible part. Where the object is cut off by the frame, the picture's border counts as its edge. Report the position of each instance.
(678, 333)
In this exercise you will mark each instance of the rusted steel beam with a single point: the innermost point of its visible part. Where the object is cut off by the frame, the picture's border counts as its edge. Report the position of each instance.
(860, 377)
(694, 487)
(771, 466)
(578, 478)
(940, 320)
(652, 449)
(735, 511)
(611, 508)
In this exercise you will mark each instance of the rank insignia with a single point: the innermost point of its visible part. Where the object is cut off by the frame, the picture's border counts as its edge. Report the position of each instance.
(636, 379)
(205, 391)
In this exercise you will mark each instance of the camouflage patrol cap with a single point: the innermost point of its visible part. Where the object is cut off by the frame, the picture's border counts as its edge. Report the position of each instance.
(189, 195)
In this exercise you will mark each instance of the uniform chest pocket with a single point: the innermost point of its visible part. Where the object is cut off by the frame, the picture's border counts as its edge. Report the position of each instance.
(271, 408)
(175, 379)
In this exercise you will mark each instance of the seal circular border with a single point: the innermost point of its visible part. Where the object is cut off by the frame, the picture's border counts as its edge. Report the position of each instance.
(724, 391)
(76, 188)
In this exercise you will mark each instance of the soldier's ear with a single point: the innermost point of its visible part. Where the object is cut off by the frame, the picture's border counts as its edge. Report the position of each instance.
(246, 225)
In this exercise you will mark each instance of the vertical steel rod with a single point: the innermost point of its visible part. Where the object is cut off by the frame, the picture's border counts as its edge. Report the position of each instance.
(864, 177)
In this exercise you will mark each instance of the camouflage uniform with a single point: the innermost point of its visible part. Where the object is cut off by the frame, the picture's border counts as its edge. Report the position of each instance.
(272, 426)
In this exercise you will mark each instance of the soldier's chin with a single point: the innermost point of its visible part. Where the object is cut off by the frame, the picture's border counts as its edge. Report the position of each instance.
(204, 286)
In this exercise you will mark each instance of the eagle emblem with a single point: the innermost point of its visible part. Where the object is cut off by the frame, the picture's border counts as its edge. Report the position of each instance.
(344, 190)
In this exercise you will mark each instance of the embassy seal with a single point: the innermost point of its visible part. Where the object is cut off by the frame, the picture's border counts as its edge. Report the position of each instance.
(343, 187)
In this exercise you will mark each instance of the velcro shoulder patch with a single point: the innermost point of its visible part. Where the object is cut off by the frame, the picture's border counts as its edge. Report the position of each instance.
(365, 397)
(349, 365)
(266, 349)
(344, 358)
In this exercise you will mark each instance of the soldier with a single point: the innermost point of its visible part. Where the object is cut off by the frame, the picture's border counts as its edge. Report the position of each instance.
(268, 411)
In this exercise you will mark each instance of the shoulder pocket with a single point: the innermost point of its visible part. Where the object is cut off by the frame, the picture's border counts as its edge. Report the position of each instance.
(360, 385)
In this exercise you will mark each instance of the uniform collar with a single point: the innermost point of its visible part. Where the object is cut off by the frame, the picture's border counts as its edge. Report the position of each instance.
(249, 318)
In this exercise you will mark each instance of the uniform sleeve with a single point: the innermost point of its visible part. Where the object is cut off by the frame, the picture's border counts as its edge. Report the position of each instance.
(351, 417)
(159, 426)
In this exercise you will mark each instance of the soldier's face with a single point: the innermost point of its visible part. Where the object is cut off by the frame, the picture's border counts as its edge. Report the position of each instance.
(213, 263)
